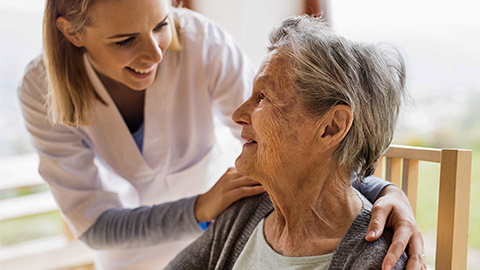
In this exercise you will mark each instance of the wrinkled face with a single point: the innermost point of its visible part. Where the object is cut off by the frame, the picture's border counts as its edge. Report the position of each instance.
(278, 131)
(127, 39)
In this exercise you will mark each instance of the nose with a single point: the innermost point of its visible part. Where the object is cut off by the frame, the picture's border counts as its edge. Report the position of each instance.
(241, 115)
(152, 53)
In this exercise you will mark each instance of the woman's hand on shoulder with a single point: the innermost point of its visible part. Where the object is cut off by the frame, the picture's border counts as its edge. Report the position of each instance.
(393, 210)
(231, 187)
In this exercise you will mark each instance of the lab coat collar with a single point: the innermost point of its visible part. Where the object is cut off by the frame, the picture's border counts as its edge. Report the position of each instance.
(159, 102)
(118, 149)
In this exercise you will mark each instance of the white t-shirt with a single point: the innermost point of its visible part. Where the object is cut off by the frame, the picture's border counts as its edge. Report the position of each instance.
(257, 254)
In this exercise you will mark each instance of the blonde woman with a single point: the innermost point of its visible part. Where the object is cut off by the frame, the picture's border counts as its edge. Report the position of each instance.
(121, 109)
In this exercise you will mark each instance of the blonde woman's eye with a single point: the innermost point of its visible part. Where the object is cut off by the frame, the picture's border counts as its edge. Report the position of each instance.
(125, 42)
(160, 26)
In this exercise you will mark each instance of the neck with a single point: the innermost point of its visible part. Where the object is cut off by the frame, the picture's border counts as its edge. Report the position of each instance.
(130, 103)
(113, 86)
(312, 216)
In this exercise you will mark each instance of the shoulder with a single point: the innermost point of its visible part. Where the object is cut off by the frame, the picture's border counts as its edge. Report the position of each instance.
(202, 38)
(223, 241)
(360, 254)
(207, 47)
(35, 69)
(191, 24)
(240, 219)
(35, 80)
(354, 252)
(246, 209)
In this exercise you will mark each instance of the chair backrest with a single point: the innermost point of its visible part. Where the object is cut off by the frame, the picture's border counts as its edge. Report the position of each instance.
(454, 194)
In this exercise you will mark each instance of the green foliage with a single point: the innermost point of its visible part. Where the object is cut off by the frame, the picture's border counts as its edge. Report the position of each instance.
(428, 188)
(474, 228)
(30, 228)
(21, 192)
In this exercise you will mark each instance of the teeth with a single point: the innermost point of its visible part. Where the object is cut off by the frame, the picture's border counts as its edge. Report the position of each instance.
(250, 141)
(142, 71)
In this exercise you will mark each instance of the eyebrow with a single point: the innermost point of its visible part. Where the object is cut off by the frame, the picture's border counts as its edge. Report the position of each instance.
(133, 34)
(269, 81)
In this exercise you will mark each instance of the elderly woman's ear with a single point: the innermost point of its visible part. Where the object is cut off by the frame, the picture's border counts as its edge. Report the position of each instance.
(334, 126)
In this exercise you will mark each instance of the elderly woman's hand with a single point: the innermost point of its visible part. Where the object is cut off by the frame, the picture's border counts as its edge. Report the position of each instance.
(231, 187)
(393, 210)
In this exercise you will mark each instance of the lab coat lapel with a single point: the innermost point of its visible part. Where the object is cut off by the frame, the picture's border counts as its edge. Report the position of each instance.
(112, 137)
(158, 110)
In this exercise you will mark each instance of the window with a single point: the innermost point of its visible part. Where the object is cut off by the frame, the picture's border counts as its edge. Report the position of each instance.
(440, 41)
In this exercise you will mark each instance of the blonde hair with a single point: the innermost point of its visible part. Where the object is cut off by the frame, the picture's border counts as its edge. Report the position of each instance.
(71, 94)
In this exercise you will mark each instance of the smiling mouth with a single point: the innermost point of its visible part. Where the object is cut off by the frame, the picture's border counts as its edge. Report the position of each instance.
(141, 71)
(250, 141)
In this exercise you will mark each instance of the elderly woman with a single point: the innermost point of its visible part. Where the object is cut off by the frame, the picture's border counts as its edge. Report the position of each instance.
(323, 109)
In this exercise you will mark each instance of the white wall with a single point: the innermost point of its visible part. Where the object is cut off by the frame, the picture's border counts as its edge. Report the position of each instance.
(249, 21)
(21, 41)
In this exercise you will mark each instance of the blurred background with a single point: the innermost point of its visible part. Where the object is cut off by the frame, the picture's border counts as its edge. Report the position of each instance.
(438, 38)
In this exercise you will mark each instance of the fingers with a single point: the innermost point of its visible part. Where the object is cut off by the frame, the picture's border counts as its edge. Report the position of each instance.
(232, 175)
(243, 181)
(220, 200)
(377, 223)
(400, 239)
(231, 187)
(416, 257)
(236, 186)
(416, 262)
(245, 191)
(394, 207)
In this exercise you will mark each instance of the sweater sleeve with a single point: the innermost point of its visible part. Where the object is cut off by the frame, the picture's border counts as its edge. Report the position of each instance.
(370, 187)
(221, 244)
(197, 255)
(354, 252)
(143, 226)
(368, 255)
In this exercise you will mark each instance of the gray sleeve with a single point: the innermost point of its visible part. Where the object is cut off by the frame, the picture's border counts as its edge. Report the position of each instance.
(196, 256)
(370, 255)
(370, 187)
(143, 226)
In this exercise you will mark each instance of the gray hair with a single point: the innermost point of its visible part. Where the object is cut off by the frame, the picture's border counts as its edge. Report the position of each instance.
(329, 70)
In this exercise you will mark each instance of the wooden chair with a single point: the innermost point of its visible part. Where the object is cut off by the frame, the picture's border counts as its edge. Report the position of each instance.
(454, 195)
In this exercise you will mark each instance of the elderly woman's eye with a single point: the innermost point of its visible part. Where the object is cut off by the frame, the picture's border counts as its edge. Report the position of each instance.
(261, 96)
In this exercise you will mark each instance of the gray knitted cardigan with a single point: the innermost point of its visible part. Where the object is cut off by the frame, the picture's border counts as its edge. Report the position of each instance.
(221, 244)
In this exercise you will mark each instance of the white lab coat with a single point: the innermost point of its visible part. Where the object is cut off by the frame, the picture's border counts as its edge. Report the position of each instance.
(90, 169)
